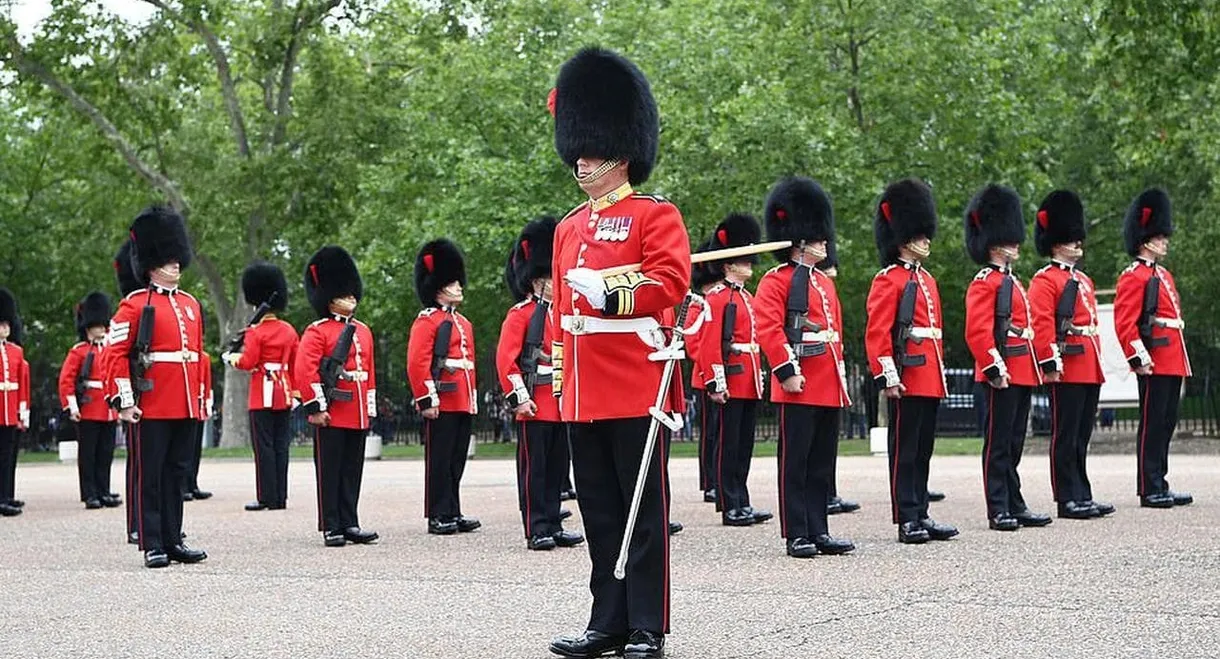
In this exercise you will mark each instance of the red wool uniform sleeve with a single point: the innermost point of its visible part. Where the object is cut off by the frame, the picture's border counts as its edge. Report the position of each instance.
(370, 348)
(508, 353)
(118, 350)
(205, 398)
(708, 359)
(1043, 295)
(67, 378)
(664, 272)
(1128, 304)
(692, 344)
(882, 309)
(770, 306)
(309, 358)
(980, 327)
(419, 360)
(251, 350)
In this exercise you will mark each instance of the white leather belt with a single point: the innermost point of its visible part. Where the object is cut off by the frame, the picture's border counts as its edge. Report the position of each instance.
(545, 370)
(926, 333)
(579, 325)
(9, 386)
(271, 368)
(1021, 333)
(820, 336)
(93, 384)
(175, 357)
(743, 348)
(356, 376)
(1171, 323)
(1085, 330)
(459, 364)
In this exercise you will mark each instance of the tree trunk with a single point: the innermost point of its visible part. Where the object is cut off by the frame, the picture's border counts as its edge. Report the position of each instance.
(235, 426)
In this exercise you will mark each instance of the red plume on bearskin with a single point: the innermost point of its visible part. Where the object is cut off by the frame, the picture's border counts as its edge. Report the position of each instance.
(331, 273)
(1149, 215)
(735, 230)
(1060, 220)
(530, 256)
(993, 218)
(905, 211)
(797, 209)
(438, 264)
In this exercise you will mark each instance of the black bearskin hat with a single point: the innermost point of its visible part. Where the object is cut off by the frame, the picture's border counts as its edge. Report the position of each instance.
(159, 236)
(603, 108)
(992, 218)
(128, 283)
(798, 210)
(905, 211)
(8, 313)
(530, 257)
(1150, 215)
(702, 274)
(438, 264)
(331, 273)
(92, 311)
(261, 281)
(735, 230)
(1060, 220)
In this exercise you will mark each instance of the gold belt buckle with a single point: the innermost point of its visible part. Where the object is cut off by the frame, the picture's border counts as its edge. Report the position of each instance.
(578, 324)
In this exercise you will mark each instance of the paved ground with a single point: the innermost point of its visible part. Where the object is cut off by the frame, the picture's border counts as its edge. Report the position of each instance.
(1142, 583)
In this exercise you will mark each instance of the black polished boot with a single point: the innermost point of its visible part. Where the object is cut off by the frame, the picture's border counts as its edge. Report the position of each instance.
(1078, 510)
(1029, 518)
(938, 531)
(912, 533)
(643, 644)
(592, 643)
(832, 546)
(1003, 522)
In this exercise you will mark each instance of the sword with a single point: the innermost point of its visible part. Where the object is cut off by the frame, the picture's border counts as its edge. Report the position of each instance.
(704, 257)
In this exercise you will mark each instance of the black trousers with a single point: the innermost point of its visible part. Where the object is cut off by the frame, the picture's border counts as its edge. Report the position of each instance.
(8, 462)
(912, 435)
(131, 488)
(338, 457)
(1160, 396)
(271, 435)
(606, 458)
(808, 444)
(737, 422)
(1073, 410)
(709, 442)
(162, 461)
(95, 455)
(565, 463)
(191, 483)
(541, 445)
(1004, 419)
(446, 441)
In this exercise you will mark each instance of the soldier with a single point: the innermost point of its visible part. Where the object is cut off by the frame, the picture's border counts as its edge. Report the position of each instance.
(14, 400)
(523, 363)
(835, 504)
(267, 349)
(904, 341)
(728, 358)
(1068, 350)
(152, 360)
(336, 374)
(440, 366)
(999, 333)
(82, 397)
(1149, 325)
(191, 491)
(800, 324)
(702, 280)
(610, 357)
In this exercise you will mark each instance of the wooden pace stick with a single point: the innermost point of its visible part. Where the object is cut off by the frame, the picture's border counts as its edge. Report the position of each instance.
(703, 257)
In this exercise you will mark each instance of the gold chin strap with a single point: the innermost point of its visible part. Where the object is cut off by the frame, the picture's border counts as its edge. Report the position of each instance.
(1158, 251)
(920, 250)
(1073, 252)
(596, 174)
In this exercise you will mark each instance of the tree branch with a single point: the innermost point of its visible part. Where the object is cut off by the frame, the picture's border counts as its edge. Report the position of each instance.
(228, 88)
(216, 287)
(304, 20)
(36, 70)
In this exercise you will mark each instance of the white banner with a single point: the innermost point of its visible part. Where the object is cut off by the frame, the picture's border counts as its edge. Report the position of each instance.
(1120, 388)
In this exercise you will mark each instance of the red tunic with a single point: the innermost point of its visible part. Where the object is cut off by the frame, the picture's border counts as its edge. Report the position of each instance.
(603, 353)
(177, 341)
(928, 379)
(206, 395)
(741, 369)
(692, 344)
(508, 364)
(989, 360)
(14, 386)
(825, 381)
(269, 351)
(458, 375)
(95, 407)
(1169, 358)
(1045, 289)
(360, 379)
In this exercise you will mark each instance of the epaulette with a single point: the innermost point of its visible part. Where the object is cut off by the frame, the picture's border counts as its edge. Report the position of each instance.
(715, 289)
(522, 303)
(1132, 268)
(360, 323)
(318, 322)
(193, 298)
(424, 313)
(574, 211)
(885, 271)
(983, 274)
(77, 345)
(1045, 268)
(136, 292)
(776, 269)
(652, 197)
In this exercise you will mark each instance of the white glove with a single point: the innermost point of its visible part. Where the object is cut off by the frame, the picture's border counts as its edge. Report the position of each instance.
(230, 358)
(588, 283)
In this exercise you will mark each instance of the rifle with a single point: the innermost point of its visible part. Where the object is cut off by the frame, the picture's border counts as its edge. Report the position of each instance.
(238, 339)
(141, 352)
(334, 365)
(531, 350)
(1065, 311)
(796, 320)
(82, 376)
(440, 352)
(1003, 314)
(902, 328)
(1152, 298)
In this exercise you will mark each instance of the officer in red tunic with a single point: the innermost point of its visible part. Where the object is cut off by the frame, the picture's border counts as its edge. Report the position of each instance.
(157, 383)
(610, 357)
(1063, 301)
(207, 404)
(14, 400)
(702, 280)
(1149, 325)
(836, 504)
(904, 341)
(999, 334)
(336, 375)
(523, 365)
(729, 359)
(440, 366)
(800, 325)
(268, 349)
(82, 397)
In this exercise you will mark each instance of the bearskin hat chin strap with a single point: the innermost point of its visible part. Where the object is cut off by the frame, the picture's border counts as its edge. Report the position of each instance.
(1008, 254)
(1156, 249)
(596, 174)
(920, 250)
(1070, 250)
(810, 249)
